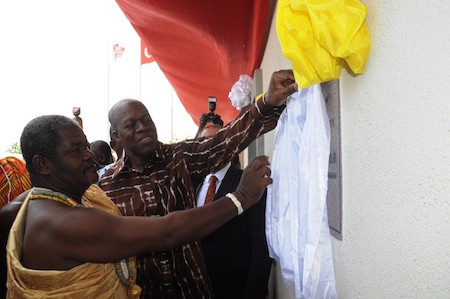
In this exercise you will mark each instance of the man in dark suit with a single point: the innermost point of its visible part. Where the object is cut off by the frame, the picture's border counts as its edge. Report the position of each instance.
(236, 254)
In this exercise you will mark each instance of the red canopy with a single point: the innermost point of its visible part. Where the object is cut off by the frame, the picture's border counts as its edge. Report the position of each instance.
(203, 46)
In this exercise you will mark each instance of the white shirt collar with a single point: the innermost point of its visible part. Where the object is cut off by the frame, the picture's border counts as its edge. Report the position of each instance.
(219, 174)
(204, 188)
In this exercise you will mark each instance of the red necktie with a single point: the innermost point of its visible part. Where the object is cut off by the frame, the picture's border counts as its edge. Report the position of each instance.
(211, 190)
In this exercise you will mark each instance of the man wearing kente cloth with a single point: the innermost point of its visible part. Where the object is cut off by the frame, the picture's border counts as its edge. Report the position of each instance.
(14, 179)
(68, 239)
(103, 280)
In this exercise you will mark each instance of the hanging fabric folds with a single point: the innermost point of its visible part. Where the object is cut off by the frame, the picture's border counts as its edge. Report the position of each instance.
(296, 215)
(318, 36)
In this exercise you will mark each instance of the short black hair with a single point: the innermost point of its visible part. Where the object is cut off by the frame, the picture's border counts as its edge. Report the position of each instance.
(41, 137)
(102, 147)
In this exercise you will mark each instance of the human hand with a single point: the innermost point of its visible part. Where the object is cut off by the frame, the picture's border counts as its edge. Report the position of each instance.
(282, 85)
(254, 180)
(202, 121)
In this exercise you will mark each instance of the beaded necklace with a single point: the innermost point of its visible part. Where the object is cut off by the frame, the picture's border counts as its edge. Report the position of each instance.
(123, 269)
(39, 192)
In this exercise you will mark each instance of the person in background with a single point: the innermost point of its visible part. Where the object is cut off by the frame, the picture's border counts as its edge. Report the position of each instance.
(102, 156)
(156, 179)
(68, 239)
(208, 118)
(236, 255)
(14, 179)
(214, 120)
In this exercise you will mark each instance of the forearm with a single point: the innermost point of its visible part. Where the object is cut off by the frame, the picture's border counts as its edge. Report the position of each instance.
(102, 237)
(119, 237)
(209, 155)
(182, 227)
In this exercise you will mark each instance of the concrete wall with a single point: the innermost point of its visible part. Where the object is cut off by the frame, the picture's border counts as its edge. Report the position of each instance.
(396, 156)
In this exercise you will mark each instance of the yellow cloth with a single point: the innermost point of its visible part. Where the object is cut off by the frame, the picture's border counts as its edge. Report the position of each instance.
(318, 35)
(84, 281)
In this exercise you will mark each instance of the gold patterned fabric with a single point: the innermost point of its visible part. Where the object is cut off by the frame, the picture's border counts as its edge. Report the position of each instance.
(84, 281)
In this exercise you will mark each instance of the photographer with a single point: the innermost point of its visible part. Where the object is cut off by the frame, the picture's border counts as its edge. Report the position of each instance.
(209, 118)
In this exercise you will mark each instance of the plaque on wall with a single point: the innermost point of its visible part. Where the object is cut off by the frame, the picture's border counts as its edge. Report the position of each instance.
(330, 91)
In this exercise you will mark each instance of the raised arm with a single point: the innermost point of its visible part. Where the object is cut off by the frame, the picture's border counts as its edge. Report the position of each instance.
(201, 125)
(209, 155)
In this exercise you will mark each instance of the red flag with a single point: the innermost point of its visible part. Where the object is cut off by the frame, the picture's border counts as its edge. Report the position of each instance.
(146, 56)
(118, 51)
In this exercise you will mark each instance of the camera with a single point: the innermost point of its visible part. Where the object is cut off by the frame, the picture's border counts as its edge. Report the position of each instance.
(212, 104)
(211, 117)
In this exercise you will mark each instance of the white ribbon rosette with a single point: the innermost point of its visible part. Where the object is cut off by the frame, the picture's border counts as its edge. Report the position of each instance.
(240, 94)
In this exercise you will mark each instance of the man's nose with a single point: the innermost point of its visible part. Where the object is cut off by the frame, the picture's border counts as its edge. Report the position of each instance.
(141, 125)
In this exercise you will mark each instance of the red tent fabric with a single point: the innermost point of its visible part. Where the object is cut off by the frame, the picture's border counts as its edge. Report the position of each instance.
(203, 47)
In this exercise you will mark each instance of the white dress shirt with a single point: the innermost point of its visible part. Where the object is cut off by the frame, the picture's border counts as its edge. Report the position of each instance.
(219, 175)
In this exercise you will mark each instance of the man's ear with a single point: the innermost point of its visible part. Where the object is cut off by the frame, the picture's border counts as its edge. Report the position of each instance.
(41, 164)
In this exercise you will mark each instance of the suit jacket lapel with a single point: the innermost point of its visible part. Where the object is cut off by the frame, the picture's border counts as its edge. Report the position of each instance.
(229, 183)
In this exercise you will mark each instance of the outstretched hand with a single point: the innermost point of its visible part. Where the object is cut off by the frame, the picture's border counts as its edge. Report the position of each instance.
(254, 180)
(282, 84)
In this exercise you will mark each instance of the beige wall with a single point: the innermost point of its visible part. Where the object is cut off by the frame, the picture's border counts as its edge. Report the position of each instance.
(396, 156)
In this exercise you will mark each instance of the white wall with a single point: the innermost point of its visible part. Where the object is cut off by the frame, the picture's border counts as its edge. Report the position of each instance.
(396, 156)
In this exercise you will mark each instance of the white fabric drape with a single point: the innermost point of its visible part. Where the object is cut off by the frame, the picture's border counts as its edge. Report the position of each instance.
(296, 214)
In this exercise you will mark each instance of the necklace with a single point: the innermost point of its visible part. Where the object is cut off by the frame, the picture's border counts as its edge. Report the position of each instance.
(39, 192)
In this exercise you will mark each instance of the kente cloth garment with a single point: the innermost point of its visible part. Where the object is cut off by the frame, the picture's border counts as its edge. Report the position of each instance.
(168, 184)
(88, 280)
(318, 36)
(14, 179)
(296, 214)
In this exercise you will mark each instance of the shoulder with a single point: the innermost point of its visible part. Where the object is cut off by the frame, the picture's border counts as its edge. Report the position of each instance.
(54, 221)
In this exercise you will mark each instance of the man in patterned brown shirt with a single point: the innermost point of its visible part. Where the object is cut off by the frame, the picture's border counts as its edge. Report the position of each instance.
(155, 179)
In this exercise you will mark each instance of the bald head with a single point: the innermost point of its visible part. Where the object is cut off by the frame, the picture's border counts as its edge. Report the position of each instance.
(210, 131)
(117, 109)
